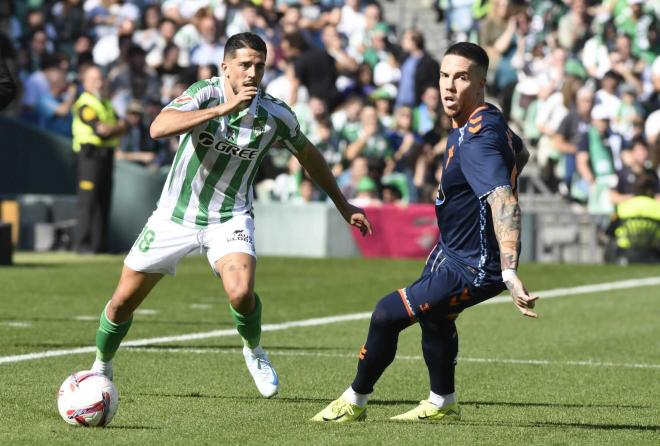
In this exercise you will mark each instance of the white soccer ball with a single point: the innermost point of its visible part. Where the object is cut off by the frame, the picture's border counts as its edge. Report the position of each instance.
(88, 399)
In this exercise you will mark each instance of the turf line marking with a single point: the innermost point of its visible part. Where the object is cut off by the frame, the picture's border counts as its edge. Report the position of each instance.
(273, 353)
(548, 294)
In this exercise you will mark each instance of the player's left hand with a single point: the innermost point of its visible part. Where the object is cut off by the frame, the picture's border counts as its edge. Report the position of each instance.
(522, 299)
(358, 218)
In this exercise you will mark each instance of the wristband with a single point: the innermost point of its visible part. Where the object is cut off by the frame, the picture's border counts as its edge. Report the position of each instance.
(508, 274)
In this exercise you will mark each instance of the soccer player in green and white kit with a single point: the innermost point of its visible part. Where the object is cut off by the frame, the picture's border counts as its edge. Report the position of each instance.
(227, 124)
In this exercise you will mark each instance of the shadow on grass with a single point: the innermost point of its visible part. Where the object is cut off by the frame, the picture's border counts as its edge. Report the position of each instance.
(499, 423)
(273, 348)
(32, 265)
(559, 424)
(132, 427)
(477, 404)
(143, 321)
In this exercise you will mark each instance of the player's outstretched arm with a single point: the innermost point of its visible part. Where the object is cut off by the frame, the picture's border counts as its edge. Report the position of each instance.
(171, 122)
(507, 223)
(314, 163)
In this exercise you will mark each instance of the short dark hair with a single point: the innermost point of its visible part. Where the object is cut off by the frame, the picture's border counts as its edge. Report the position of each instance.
(644, 185)
(470, 51)
(418, 39)
(244, 40)
(296, 40)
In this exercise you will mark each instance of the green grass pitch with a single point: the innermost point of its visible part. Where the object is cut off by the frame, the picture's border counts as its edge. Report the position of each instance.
(586, 372)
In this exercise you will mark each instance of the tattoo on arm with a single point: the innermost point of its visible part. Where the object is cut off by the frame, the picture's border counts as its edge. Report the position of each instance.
(506, 223)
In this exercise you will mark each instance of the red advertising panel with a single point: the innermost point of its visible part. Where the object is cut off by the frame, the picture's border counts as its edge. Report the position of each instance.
(399, 231)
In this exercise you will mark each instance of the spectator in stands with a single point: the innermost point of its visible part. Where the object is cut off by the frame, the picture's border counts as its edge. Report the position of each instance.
(54, 106)
(328, 143)
(598, 160)
(426, 114)
(391, 194)
(133, 80)
(148, 37)
(344, 63)
(352, 19)
(189, 35)
(136, 145)
(7, 84)
(68, 19)
(348, 182)
(639, 165)
(428, 166)
(169, 71)
(404, 142)
(306, 192)
(570, 132)
(624, 64)
(595, 54)
(418, 69)
(608, 93)
(35, 86)
(383, 100)
(366, 194)
(499, 37)
(166, 33)
(372, 141)
(314, 68)
(629, 114)
(208, 50)
(363, 84)
(309, 115)
(573, 26)
(652, 98)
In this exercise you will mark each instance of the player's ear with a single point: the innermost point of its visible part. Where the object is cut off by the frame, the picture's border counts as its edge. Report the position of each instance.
(223, 66)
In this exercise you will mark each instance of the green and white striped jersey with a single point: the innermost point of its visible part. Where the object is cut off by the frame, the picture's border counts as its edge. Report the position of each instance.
(211, 177)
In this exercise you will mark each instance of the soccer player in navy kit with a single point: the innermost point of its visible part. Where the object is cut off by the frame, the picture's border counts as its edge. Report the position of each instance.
(476, 257)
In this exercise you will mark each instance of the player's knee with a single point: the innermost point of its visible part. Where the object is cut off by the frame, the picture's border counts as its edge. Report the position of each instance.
(390, 313)
(240, 296)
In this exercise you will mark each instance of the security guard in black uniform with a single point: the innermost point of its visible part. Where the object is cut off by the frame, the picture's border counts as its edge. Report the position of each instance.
(96, 132)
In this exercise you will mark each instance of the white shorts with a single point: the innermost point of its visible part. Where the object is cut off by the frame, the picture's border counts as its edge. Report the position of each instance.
(163, 243)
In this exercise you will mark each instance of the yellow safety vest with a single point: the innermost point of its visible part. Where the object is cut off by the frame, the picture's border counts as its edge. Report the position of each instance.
(639, 215)
(98, 109)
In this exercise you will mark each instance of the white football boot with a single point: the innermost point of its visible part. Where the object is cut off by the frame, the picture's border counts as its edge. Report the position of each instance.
(262, 371)
(104, 368)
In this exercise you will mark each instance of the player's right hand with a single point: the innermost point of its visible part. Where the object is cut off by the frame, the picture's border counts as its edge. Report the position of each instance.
(522, 299)
(241, 100)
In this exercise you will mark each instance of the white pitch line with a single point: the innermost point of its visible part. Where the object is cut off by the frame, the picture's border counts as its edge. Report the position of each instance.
(558, 292)
(274, 353)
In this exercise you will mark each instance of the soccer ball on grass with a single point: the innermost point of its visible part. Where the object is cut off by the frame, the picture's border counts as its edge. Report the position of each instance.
(87, 399)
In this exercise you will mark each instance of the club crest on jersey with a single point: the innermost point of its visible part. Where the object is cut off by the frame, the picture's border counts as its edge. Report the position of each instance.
(206, 139)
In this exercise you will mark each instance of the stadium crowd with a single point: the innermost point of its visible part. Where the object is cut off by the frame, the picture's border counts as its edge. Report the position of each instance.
(578, 79)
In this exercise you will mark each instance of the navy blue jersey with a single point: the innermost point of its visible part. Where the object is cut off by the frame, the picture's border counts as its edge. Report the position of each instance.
(480, 157)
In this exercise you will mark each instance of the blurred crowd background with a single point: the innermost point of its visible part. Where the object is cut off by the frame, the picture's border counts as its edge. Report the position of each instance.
(579, 80)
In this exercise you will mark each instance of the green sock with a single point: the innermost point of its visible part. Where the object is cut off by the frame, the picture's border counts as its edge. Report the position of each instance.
(109, 336)
(249, 327)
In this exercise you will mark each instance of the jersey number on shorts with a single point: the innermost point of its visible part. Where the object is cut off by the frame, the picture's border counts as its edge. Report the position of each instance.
(146, 239)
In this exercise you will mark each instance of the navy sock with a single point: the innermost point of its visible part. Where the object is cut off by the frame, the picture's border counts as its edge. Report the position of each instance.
(389, 318)
(440, 347)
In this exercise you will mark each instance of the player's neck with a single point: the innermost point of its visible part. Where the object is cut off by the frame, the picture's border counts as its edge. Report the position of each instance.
(229, 92)
(459, 121)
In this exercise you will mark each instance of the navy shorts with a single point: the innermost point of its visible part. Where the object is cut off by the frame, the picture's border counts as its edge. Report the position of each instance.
(444, 289)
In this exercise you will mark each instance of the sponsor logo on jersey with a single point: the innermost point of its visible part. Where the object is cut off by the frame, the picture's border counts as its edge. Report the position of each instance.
(183, 99)
(223, 146)
(240, 235)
